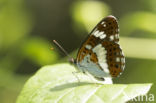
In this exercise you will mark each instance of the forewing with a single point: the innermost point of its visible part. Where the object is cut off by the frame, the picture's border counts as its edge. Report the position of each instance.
(106, 30)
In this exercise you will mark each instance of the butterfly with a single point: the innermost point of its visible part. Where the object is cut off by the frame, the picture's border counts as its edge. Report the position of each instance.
(100, 54)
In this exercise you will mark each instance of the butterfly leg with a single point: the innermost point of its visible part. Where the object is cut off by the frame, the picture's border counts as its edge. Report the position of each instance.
(100, 79)
(106, 80)
(74, 73)
(91, 78)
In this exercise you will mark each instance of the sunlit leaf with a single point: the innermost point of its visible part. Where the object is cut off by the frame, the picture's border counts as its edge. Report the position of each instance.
(57, 84)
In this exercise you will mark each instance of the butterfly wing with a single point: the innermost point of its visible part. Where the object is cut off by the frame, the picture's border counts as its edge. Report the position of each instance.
(101, 54)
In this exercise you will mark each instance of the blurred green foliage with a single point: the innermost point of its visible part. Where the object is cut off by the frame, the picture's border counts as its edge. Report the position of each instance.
(27, 28)
(83, 14)
(15, 22)
(38, 50)
(144, 21)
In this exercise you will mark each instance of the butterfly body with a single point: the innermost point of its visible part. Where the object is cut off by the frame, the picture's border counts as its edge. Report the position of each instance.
(100, 54)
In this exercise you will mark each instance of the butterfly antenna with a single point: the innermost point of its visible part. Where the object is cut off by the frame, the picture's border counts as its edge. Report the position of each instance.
(63, 50)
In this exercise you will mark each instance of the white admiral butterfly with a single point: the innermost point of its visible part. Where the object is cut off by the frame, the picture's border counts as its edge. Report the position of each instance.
(100, 54)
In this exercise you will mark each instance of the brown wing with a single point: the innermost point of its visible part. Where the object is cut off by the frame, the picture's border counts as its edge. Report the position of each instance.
(107, 29)
(105, 32)
(115, 58)
(108, 26)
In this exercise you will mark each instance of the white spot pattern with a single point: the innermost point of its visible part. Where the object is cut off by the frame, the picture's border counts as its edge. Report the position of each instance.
(117, 59)
(122, 66)
(103, 36)
(102, 22)
(104, 25)
(99, 34)
(122, 60)
(111, 37)
(95, 33)
(101, 55)
(116, 36)
(88, 47)
(117, 30)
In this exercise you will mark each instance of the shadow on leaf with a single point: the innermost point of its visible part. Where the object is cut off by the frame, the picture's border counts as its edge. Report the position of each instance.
(69, 85)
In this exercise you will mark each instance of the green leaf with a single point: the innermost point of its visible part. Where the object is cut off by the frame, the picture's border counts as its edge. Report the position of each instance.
(57, 84)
